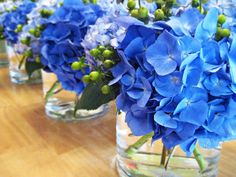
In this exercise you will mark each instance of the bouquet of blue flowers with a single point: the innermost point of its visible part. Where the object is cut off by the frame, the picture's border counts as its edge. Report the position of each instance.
(169, 65)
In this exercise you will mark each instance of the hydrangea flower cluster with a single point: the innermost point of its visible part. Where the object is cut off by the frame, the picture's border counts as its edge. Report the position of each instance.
(31, 31)
(178, 80)
(105, 32)
(13, 21)
(62, 38)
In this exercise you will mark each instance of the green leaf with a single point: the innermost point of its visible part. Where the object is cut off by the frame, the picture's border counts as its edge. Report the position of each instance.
(30, 67)
(52, 90)
(92, 97)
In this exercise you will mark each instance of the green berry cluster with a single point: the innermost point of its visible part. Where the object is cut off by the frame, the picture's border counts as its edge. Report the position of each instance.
(45, 13)
(164, 9)
(162, 12)
(90, 1)
(222, 32)
(79, 65)
(19, 28)
(199, 5)
(36, 32)
(104, 54)
(140, 13)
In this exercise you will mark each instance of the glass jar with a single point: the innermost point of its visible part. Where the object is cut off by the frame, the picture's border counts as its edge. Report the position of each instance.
(61, 104)
(145, 162)
(18, 74)
(3, 54)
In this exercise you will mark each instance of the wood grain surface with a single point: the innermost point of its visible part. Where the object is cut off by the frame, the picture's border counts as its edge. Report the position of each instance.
(31, 145)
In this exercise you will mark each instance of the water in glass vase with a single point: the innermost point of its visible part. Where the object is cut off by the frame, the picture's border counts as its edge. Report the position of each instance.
(18, 74)
(61, 105)
(3, 54)
(145, 162)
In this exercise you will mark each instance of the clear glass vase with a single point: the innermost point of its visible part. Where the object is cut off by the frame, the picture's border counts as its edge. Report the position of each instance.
(3, 54)
(146, 161)
(60, 106)
(19, 75)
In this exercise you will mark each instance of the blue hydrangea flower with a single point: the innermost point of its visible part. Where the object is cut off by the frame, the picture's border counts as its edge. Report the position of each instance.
(62, 41)
(14, 18)
(173, 86)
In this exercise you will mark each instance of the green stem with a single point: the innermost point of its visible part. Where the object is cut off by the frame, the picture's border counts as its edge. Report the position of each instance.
(52, 90)
(171, 154)
(135, 147)
(139, 3)
(200, 159)
(163, 156)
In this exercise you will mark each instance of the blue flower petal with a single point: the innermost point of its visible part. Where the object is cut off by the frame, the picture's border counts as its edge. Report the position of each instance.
(164, 120)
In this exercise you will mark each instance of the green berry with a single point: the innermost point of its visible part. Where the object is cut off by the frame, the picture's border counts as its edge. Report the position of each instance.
(19, 28)
(94, 75)
(221, 19)
(225, 33)
(28, 54)
(14, 8)
(134, 13)
(101, 48)
(32, 31)
(159, 15)
(93, 1)
(142, 12)
(107, 54)
(25, 41)
(106, 89)
(85, 1)
(37, 59)
(86, 79)
(37, 33)
(108, 64)
(76, 66)
(131, 4)
(95, 52)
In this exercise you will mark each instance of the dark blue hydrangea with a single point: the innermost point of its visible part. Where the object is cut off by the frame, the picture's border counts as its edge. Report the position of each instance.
(14, 18)
(178, 81)
(62, 38)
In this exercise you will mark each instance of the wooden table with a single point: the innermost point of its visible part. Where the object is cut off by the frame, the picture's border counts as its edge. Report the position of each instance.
(33, 146)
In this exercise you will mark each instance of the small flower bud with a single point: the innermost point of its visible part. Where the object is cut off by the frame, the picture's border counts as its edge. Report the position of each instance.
(93, 1)
(28, 54)
(37, 59)
(221, 19)
(94, 75)
(18, 28)
(131, 4)
(25, 41)
(225, 33)
(134, 13)
(86, 79)
(37, 33)
(108, 64)
(159, 15)
(106, 89)
(95, 52)
(101, 48)
(107, 53)
(32, 31)
(76, 66)
(142, 12)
